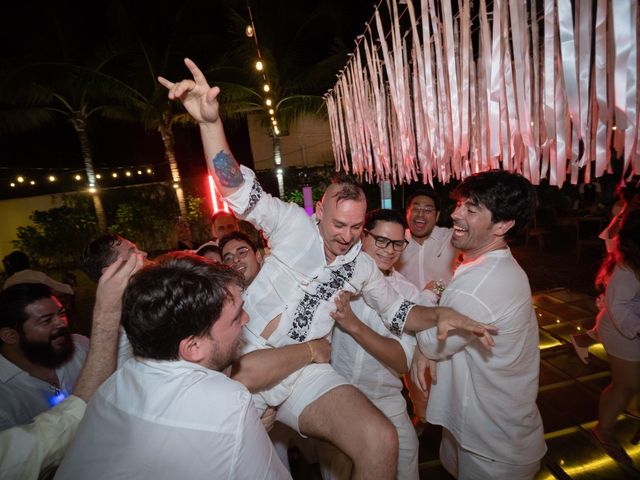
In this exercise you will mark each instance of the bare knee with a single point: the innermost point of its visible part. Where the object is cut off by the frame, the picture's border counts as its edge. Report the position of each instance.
(379, 439)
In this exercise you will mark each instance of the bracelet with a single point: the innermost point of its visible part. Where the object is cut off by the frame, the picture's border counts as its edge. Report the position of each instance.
(313, 355)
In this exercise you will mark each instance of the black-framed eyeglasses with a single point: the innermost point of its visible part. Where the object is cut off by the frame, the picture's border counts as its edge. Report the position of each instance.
(383, 242)
(231, 257)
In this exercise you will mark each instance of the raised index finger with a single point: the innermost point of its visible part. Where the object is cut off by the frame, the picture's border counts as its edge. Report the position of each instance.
(198, 76)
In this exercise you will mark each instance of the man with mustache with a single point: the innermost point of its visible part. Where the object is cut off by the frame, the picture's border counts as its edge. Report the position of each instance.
(39, 359)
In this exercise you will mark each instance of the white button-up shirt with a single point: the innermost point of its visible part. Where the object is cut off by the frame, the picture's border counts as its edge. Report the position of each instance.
(22, 396)
(487, 400)
(171, 420)
(433, 260)
(380, 384)
(296, 281)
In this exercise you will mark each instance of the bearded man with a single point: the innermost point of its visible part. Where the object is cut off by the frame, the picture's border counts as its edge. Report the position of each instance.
(39, 359)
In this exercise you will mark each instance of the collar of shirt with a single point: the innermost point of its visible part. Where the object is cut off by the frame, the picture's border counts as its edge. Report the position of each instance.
(8, 370)
(173, 366)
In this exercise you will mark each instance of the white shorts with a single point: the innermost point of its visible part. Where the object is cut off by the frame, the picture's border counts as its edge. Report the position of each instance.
(294, 393)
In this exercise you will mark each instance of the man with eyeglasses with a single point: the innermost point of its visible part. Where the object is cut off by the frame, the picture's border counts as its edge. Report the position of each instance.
(368, 355)
(427, 262)
(429, 257)
(239, 252)
(312, 259)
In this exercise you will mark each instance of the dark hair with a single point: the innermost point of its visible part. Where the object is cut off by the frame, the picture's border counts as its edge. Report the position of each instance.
(348, 188)
(425, 192)
(626, 251)
(243, 237)
(179, 295)
(208, 248)
(508, 196)
(628, 190)
(221, 213)
(15, 262)
(15, 299)
(99, 254)
(383, 215)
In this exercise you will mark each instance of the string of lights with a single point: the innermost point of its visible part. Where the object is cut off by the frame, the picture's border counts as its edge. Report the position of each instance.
(261, 67)
(33, 177)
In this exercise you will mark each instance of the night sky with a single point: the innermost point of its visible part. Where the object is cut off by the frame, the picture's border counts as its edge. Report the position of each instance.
(82, 33)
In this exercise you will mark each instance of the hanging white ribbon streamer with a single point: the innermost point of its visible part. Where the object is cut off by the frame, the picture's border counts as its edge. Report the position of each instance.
(562, 128)
(622, 46)
(431, 97)
(452, 75)
(534, 95)
(584, 74)
(444, 116)
(568, 50)
(600, 68)
(465, 53)
(630, 133)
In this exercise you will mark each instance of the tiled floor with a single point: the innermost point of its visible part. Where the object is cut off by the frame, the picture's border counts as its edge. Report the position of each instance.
(567, 399)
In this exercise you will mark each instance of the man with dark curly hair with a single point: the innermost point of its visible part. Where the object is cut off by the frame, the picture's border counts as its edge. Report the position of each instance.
(486, 401)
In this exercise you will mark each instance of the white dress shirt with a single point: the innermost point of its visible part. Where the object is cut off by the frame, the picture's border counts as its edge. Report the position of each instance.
(433, 260)
(487, 399)
(171, 420)
(380, 384)
(296, 281)
(22, 396)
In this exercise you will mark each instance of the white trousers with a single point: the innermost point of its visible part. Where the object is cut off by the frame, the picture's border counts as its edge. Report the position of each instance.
(466, 465)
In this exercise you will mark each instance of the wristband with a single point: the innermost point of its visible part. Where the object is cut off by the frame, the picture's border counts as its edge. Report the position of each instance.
(313, 355)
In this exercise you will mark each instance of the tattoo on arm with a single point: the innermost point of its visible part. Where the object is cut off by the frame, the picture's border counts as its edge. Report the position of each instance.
(227, 169)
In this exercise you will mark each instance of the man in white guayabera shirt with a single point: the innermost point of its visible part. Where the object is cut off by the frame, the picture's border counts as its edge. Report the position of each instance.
(368, 355)
(486, 401)
(290, 301)
(171, 412)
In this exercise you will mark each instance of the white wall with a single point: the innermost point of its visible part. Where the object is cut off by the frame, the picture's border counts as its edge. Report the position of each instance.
(308, 143)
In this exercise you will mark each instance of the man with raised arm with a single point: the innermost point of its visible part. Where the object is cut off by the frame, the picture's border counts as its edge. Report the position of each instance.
(290, 301)
(29, 451)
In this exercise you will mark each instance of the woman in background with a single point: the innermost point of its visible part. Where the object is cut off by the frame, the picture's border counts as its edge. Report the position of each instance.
(618, 327)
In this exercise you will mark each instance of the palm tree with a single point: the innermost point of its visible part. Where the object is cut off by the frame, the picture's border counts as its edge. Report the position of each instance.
(43, 93)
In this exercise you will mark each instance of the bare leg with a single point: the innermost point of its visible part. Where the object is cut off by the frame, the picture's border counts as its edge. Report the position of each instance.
(625, 383)
(344, 417)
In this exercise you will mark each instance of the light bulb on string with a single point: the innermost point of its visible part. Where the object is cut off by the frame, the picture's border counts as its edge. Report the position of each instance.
(248, 31)
(268, 102)
(266, 87)
(259, 66)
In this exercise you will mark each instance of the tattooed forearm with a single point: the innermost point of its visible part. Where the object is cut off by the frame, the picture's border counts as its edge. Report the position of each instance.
(227, 169)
